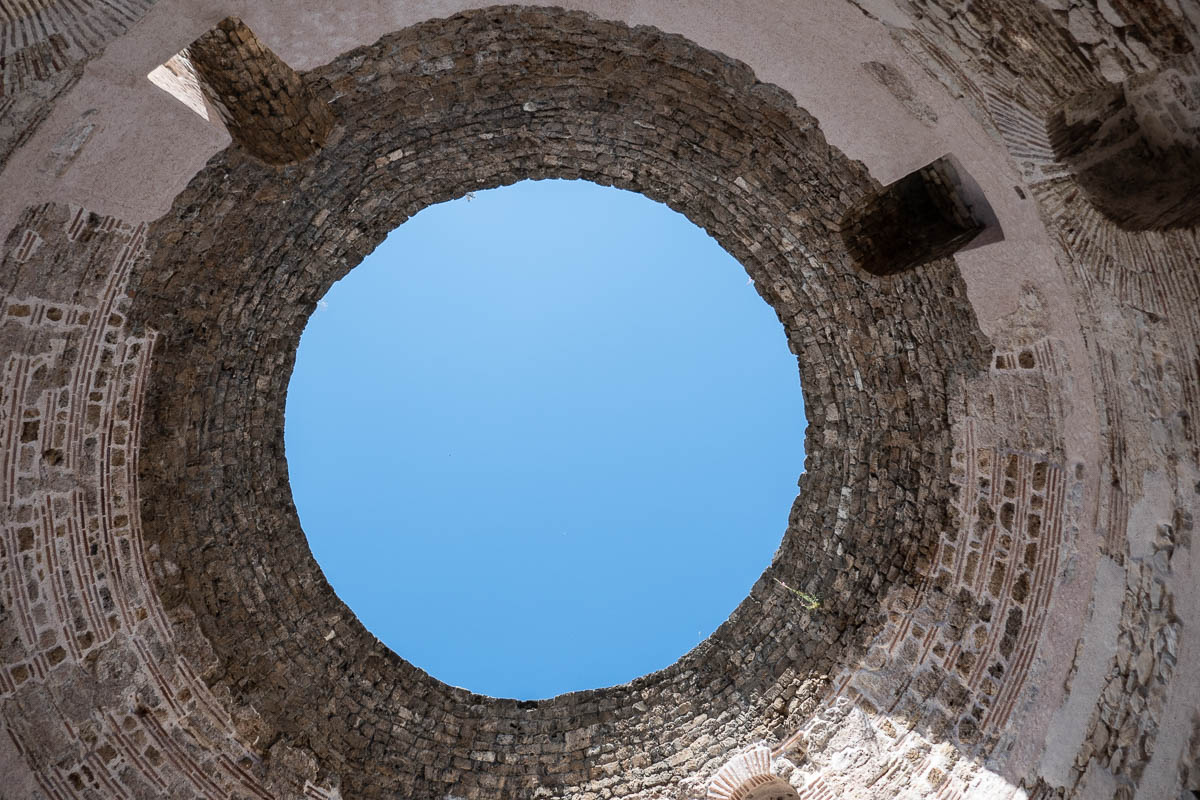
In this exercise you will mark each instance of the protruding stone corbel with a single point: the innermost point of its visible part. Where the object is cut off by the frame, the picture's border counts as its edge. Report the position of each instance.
(264, 103)
(1134, 147)
(919, 218)
(748, 776)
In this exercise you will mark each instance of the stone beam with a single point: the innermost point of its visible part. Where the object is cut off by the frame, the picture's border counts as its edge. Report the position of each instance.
(264, 103)
(919, 218)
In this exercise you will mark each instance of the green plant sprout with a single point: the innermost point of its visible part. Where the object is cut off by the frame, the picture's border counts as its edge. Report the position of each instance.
(810, 601)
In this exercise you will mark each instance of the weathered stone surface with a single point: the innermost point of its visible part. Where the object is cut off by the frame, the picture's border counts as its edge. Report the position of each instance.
(45, 45)
(918, 219)
(1134, 148)
(982, 448)
(638, 112)
(264, 102)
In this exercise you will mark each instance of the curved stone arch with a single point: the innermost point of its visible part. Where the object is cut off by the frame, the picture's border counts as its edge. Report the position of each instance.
(478, 100)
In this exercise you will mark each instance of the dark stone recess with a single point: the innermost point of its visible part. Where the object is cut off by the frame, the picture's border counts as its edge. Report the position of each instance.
(918, 219)
(1134, 148)
(47, 54)
(485, 99)
(264, 103)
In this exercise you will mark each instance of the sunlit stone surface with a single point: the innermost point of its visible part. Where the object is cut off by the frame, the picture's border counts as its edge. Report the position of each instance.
(986, 586)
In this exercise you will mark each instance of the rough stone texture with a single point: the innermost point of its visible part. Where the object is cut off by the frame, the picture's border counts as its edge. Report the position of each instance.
(920, 218)
(265, 105)
(895, 82)
(1003, 449)
(1137, 293)
(640, 113)
(1134, 149)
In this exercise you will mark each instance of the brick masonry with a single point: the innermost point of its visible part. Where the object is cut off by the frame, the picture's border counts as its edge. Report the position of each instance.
(45, 46)
(918, 219)
(1137, 294)
(165, 631)
(265, 105)
(735, 156)
(1134, 148)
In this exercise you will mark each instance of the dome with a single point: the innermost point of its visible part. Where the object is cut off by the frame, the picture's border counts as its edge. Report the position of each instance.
(976, 224)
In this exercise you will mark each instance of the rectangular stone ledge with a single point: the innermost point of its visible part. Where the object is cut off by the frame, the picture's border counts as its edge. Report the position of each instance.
(918, 219)
(263, 102)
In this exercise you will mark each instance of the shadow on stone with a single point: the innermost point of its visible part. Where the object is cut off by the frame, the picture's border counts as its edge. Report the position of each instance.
(1134, 148)
(920, 218)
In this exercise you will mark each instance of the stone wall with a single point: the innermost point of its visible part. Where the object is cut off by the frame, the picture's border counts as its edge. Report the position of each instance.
(1003, 459)
(1134, 148)
(735, 156)
(918, 219)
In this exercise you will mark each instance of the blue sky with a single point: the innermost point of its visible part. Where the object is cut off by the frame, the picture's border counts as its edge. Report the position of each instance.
(544, 439)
